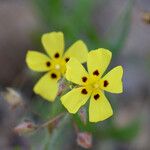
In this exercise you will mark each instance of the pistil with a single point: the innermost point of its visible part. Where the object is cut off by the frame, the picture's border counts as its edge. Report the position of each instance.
(57, 67)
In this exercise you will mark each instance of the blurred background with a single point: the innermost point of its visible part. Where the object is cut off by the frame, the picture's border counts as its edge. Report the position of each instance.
(123, 26)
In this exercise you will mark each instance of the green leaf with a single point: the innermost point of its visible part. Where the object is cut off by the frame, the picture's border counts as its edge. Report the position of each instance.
(108, 129)
(61, 135)
(44, 109)
(56, 107)
(126, 133)
(39, 139)
(40, 108)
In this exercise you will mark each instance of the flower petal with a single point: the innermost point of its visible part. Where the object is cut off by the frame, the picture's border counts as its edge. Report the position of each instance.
(74, 99)
(98, 61)
(112, 81)
(38, 61)
(78, 50)
(76, 72)
(47, 86)
(53, 43)
(100, 108)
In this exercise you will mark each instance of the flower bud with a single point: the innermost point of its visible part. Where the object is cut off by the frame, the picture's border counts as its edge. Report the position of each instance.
(25, 127)
(84, 139)
(12, 97)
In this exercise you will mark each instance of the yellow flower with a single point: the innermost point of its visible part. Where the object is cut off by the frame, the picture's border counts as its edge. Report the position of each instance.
(92, 85)
(54, 63)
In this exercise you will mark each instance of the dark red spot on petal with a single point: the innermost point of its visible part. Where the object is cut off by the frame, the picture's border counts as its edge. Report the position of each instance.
(48, 63)
(67, 59)
(56, 55)
(96, 96)
(84, 79)
(96, 73)
(53, 75)
(106, 83)
(84, 91)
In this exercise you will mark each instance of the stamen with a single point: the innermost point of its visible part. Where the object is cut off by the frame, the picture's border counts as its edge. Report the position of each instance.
(67, 59)
(48, 63)
(106, 83)
(56, 55)
(96, 96)
(84, 79)
(84, 91)
(96, 73)
(53, 75)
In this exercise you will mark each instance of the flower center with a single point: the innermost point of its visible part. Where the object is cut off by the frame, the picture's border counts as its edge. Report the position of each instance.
(57, 67)
(95, 85)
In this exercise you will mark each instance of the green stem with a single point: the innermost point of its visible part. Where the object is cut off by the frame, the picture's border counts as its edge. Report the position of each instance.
(50, 121)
